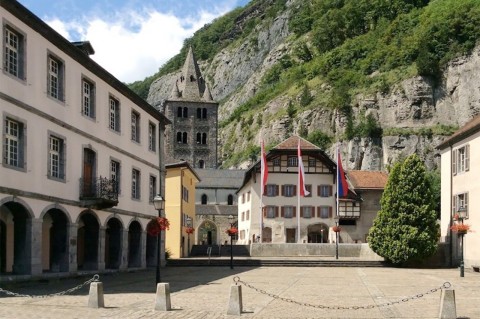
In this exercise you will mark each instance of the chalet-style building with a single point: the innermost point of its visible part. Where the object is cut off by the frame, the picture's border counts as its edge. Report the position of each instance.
(460, 192)
(81, 157)
(281, 210)
(192, 136)
(180, 182)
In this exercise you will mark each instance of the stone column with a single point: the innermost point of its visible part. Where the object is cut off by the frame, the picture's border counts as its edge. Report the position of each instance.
(72, 247)
(124, 253)
(143, 247)
(101, 248)
(34, 235)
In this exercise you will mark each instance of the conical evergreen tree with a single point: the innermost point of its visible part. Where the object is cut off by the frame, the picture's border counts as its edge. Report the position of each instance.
(406, 228)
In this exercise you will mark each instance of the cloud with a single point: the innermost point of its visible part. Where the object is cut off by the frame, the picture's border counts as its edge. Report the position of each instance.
(135, 44)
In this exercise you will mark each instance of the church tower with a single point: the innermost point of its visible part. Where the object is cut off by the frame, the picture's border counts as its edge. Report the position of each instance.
(192, 136)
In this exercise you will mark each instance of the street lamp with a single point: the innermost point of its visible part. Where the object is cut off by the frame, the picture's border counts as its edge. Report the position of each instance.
(321, 236)
(230, 220)
(462, 214)
(189, 225)
(159, 204)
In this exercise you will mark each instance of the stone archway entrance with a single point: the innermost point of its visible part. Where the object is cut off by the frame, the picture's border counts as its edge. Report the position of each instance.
(318, 233)
(207, 233)
(15, 237)
(87, 242)
(55, 241)
(134, 244)
(113, 244)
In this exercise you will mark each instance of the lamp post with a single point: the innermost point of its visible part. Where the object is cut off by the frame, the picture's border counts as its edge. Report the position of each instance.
(321, 236)
(462, 214)
(159, 204)
(230, 220)
(189, 225)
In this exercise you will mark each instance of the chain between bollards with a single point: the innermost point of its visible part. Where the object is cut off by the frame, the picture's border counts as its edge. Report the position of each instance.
(445, 285)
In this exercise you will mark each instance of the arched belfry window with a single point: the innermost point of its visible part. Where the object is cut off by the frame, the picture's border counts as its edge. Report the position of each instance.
(179, 112)
(179, 137)
(204, 138)
(204, 113)
(204, 199)
(201, 164)
(199, 138)
(185, 112)
(199, 113)
(230, 199)
(184, 138)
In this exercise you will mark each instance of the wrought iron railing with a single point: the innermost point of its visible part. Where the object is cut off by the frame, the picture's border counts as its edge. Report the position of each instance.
(99, 188)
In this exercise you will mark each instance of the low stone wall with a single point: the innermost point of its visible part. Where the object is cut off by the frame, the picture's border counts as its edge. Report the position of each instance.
(362, 251)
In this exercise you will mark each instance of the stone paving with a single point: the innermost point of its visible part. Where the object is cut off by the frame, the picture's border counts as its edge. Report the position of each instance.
(203, 292)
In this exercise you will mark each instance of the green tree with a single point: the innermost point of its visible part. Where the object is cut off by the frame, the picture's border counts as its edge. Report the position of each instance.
(406, 228)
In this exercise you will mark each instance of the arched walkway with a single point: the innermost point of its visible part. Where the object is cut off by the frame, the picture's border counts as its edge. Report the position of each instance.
(15, 235)
(113, 244)
(151, 249)
(87, 241)
(134, 244)
(55, 241)
(318, 233)
(207, 233)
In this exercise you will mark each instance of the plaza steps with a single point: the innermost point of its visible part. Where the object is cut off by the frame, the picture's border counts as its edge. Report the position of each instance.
(274, 262)
(219, 250)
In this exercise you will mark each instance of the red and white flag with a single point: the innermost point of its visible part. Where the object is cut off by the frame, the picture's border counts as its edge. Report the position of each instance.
(264, 169)
(301, 173)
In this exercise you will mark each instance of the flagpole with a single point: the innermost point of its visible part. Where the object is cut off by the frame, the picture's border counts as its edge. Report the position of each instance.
(338, 201)
(298, 205)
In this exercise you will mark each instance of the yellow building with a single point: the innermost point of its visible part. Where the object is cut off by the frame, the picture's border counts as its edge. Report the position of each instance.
(180, 183)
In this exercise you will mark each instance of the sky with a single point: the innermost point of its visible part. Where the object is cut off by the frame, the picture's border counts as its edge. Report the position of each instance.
(132, 39)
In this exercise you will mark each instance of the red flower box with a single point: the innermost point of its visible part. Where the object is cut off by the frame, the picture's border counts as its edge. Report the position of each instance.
(189, 230)
(336, 229)
(232, 231)
(159, 223)
(460, 228)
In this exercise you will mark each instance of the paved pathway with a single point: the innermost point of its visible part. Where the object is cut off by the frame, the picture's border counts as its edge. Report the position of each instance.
(203, 292)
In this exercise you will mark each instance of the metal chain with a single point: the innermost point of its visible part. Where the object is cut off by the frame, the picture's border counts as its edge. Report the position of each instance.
(14, 294)
(445, 285)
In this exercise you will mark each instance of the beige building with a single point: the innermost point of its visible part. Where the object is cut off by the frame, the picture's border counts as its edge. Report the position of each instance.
(283, 210)
(460, 184)
(180, 181)
(81, 157)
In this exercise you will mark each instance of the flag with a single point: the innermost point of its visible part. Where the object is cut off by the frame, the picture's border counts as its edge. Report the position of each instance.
(263, 169)
(301, 173)
(341, 180)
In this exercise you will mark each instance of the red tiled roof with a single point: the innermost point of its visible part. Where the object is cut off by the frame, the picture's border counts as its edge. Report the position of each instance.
(367, 179)
(291, 143)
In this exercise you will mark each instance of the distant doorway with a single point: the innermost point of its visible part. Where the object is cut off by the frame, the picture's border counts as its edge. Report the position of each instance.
(291, 235)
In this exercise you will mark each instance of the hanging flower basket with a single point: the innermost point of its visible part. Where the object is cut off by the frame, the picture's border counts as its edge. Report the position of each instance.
(232, 231)
(189, 230)
(159, 223)
(461, 229)
(336, 229)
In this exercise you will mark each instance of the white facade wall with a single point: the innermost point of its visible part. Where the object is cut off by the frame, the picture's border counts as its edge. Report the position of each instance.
(463, 182)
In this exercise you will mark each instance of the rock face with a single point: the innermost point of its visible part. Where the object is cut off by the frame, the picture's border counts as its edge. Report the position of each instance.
(416, 103)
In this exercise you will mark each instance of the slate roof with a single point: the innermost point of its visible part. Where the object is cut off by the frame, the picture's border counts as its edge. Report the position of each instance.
(220, 178)
(216, 210)
(470, 128)
(367, 179)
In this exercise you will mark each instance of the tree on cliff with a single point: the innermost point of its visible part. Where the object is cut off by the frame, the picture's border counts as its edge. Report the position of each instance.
(406, 228)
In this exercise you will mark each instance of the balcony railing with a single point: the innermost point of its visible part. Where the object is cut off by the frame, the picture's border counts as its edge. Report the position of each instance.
(98, 193)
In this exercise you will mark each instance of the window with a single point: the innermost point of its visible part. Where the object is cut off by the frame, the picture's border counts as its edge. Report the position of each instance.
(242, 216)
(276, 161)
(230, 199)
(135, 123)
(247, 215)
(114, 115)
(307, 212)
(14, 62)
(289, 190)
(182, 137)
(56, 71)
(308, 187)
(243, 198)
(288, 211)
(179, 111)
(248, 196)
(270, 211)
(460, 201)
(56, 158)
(152, 137)
(312, 162)
(324, 190)
(88, 98)
(272, 190)
(13, 148)
(461, 159)
(292, 161)
(201, 164)
(325, 211)
(185, 194)
(135, 184)
(152, 188)
(115, 173)
(204, 199)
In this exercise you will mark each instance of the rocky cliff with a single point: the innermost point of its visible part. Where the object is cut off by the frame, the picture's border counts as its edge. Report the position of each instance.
(403, 113)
